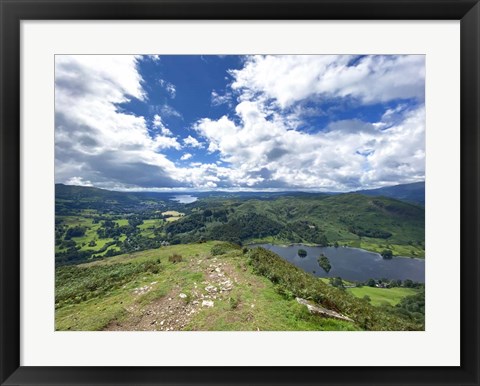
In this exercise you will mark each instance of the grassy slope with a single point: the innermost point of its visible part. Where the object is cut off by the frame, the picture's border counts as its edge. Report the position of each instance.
(258, 305)
(292, 281)
(270, 310)
(97, 312)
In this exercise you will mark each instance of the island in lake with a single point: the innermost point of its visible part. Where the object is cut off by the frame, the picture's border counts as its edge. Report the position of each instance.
(239, 193)
(219, 257)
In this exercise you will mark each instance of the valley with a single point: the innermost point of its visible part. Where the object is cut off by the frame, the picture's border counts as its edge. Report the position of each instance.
(152, 261)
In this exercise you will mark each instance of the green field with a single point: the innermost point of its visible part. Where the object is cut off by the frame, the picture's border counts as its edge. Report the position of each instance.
(377, 245)
(148, 227)
(381, 296)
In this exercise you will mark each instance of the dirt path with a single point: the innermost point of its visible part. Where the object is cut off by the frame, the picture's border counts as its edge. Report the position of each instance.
(175, 310)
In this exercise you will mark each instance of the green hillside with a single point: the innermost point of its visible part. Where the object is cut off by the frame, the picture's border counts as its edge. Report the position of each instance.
(414, 193)
(93, 223)
(372, 223)
(208, 286)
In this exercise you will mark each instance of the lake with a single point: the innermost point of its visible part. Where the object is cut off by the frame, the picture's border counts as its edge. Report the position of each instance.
(351, 263)
(184, 198)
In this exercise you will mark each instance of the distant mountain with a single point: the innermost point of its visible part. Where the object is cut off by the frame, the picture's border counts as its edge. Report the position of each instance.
(414, 193)
(77, 192)
(87, 193)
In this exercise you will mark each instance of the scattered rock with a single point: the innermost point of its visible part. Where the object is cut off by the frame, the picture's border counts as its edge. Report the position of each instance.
(226, 285)
(172, 312)
(142, 290)
(207, 303)
(211, 288)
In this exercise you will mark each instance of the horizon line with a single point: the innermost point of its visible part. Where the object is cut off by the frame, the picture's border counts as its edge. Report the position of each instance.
(230, 190)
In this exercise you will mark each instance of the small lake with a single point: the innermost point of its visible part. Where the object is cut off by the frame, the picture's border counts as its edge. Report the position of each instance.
(184, 198)
(351, 263)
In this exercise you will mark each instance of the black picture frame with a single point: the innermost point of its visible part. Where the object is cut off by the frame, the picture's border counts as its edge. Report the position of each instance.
(14, 11)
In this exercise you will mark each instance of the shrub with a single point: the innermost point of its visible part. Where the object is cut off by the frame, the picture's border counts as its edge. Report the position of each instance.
(175, 258)
(387, 254)
(302, 252)
(234, 302)
(152, 266)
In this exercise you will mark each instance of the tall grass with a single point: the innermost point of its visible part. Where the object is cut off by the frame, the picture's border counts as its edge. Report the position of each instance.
(74, 284)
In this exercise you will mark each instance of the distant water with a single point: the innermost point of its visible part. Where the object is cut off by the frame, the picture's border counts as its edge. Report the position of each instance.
(184, 198)
(351, 263)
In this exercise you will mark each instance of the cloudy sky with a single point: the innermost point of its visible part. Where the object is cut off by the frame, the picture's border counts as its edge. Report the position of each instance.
(298, 122)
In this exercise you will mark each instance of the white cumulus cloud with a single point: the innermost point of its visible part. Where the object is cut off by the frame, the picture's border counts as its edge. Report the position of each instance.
(292, 78)
(265, 142)
(192, 142)
(157, 122)
(94, 140)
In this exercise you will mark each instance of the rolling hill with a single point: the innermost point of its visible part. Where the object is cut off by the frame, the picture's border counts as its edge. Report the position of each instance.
(414, 193)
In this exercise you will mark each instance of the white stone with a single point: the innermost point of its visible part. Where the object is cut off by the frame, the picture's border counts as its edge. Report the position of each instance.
(211, 288)
(207, 303)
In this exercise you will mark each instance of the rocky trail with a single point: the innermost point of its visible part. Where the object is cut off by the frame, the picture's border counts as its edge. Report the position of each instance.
(175, 310)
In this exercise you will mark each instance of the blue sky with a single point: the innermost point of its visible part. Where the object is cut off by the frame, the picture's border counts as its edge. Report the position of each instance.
(191, 122)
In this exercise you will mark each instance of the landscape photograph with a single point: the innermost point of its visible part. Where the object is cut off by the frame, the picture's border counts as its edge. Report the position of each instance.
(239, 193)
